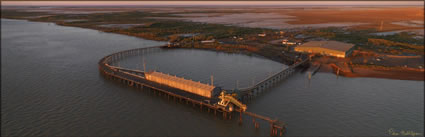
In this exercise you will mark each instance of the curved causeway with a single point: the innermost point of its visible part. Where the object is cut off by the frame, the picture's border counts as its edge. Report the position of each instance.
(182, 90)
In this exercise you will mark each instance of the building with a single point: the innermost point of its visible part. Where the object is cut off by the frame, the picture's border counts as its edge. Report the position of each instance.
(286, 42)
(208, 41)
(290, 43)
(197, 88)
(262, 34)
(328, 48)
(173, 44)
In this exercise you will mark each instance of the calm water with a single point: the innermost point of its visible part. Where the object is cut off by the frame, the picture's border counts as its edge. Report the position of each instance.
(51, 86)
(228, 70)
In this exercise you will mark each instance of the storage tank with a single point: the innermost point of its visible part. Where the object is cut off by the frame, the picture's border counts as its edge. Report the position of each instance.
(197, 88)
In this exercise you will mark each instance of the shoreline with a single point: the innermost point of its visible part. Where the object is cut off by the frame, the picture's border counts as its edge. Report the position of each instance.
(376, 73)
(359, 72)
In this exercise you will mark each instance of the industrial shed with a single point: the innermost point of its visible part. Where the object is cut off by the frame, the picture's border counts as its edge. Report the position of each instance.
(329, 48)
(198, 88)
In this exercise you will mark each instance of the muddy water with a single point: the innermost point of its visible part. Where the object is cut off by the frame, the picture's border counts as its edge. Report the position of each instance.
(51, 86)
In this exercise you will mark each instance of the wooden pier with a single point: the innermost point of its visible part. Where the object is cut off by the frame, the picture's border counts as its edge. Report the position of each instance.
(136, 79)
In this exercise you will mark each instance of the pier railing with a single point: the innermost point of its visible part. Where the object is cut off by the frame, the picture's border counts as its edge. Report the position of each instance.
(248, 92)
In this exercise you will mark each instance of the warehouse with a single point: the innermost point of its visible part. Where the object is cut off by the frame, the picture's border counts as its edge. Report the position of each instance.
(198, 88)
(328, 48)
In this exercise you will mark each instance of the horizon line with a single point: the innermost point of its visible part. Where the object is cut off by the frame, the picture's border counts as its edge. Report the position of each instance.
(210, 3)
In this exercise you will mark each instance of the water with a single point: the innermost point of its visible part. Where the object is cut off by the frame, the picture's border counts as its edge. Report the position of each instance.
(345, 106)
(51, 86)
(199, 65)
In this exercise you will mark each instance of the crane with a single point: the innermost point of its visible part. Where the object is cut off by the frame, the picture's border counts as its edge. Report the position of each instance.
(230, 98)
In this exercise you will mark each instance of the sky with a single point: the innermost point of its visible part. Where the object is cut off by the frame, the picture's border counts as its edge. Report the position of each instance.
(113, 3)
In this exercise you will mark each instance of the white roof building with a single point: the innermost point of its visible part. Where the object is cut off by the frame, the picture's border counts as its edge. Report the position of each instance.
(329, 48)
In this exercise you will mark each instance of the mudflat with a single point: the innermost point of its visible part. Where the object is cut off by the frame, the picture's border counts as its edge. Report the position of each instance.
(371, 17)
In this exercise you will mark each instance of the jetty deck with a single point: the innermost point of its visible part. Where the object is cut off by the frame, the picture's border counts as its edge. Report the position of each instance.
(136, 79)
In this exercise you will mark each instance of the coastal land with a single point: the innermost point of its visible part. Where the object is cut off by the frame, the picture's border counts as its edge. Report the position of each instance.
(388, 41)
